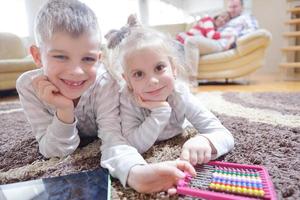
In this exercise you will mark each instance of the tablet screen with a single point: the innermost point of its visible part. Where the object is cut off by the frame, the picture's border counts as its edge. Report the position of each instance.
(83, 185)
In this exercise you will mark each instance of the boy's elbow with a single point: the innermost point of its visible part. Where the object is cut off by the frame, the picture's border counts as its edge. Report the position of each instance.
(19, 83)
(56, 152)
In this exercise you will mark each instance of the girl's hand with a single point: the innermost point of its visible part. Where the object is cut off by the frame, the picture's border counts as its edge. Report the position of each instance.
(50, 94)
(156, 177)
(230, 42)
(196, 150)
(150, 104)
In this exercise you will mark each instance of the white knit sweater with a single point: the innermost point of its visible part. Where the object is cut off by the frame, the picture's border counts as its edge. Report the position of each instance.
(97, 114)
(143, 127)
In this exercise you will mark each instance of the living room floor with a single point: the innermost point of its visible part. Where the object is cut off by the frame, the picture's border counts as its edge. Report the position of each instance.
(253, 83)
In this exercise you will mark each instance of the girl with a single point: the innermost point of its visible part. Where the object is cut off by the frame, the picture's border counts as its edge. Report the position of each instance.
(155, 103)
(204, 38)
(207, 27)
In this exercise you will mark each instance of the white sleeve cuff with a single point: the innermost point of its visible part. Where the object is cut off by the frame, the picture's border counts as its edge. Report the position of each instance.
(63, 130)
(222, 140)
(119, 160)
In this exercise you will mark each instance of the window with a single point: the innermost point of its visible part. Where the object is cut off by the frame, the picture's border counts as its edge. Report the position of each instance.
(161, 12)
(112, 14)
(13, 17)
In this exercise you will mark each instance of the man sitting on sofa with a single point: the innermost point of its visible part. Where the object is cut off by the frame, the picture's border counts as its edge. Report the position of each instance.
(239, 25)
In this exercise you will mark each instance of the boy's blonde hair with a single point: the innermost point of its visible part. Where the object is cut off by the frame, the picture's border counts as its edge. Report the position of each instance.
(133, 37)
(70, 16)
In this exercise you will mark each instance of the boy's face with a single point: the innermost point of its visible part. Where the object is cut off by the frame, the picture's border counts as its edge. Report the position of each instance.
(150, 75)
(70, 63)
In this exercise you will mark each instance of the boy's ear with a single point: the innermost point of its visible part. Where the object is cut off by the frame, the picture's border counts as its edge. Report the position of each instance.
(36, 55)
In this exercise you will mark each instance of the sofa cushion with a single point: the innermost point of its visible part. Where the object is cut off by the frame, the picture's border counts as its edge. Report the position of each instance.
(236, 61)
(11, 46)
(16, 65)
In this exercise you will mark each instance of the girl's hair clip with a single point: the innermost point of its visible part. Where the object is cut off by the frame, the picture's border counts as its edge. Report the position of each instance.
(115, 37)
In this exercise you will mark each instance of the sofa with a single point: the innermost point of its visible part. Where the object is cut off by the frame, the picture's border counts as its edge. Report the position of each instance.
(14, 60)
(247, 57)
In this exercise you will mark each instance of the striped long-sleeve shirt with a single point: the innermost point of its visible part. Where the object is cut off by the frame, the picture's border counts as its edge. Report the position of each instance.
(205, 27)
(143, 127)
(96, 114)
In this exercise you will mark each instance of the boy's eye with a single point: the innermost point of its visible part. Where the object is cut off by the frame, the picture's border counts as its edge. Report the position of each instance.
(89, 59)
(138, 75)
(160, 68)
(60, 57)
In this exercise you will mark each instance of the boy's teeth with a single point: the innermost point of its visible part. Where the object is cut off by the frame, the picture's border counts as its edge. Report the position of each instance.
(73, 83)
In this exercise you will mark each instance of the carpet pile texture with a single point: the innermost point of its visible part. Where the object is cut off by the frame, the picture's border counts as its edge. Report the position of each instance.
(266, 127)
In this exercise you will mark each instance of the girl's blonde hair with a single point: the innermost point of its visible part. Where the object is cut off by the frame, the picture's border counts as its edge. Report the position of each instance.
(133, 37)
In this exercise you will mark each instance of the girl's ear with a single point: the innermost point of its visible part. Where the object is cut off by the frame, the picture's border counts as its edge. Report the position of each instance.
(127, 81)
(100, 55)
(174, 69)
(36, 55)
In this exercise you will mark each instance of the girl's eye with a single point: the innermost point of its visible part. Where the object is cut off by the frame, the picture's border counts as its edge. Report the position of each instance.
(60, 57)
(89, 59)
(138, 75)
(160, 68)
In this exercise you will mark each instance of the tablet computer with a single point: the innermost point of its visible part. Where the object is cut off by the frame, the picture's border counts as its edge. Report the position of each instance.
(93, 184)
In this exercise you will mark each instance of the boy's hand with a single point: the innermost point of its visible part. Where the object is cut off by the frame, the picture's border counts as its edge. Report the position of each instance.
(196, 150)
(50, 94)
(158, 177)
(150, 104)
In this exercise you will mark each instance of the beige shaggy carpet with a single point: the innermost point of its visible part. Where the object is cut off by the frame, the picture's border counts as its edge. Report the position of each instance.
(266, 127)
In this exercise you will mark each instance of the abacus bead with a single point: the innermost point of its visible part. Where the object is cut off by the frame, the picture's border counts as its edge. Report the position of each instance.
(223, 187)
(233, 189)
(250, 192)
(212, 185)
(259, 185)
(244, 190)
(239, 190)
(256, 192)
(261, 193)
(228, 188)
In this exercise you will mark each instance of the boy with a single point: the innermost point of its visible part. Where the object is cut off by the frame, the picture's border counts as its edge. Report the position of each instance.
(72, 96)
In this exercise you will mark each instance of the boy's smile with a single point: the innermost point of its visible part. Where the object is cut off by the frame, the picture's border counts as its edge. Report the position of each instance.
(150, 74)
(70, 63)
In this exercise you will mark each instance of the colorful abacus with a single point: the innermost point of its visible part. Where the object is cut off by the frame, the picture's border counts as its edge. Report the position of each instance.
(223, 180)
(238, 181)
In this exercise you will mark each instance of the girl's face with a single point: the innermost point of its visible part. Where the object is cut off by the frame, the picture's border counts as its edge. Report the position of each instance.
(222, 19)
(150, 74)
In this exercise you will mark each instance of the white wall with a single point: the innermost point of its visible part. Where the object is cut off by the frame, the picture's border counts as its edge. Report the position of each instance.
(200, 7)
(32, 7)
(271, 15)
